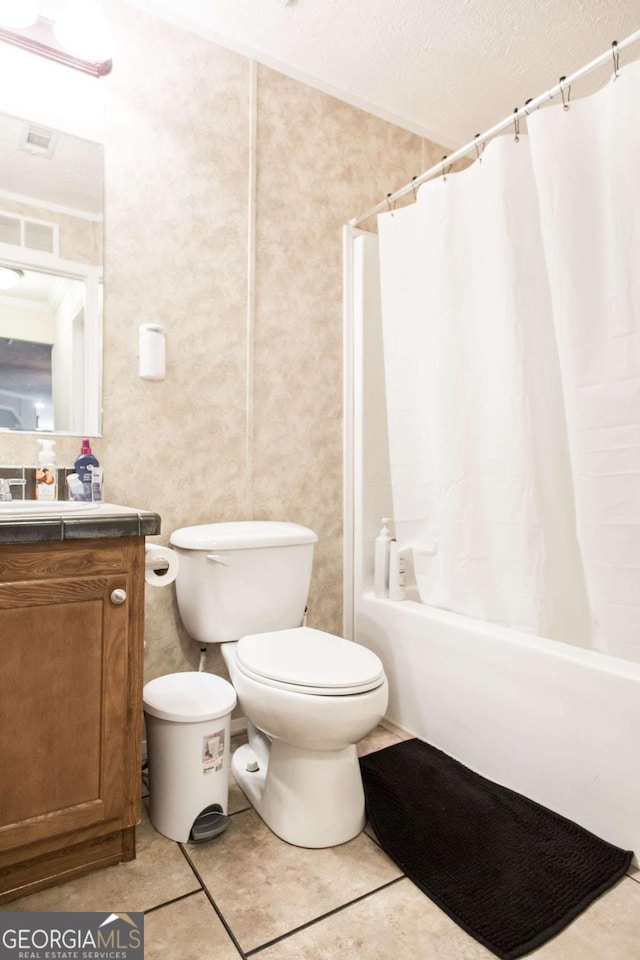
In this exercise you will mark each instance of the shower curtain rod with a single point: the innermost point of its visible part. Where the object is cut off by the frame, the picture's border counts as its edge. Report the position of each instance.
(513, 119)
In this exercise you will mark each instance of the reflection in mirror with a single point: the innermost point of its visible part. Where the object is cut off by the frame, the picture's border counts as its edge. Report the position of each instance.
(51, 201)
(25, 373)
(42, 353)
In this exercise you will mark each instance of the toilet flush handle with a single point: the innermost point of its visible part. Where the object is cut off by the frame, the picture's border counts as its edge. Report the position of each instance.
(216, 559)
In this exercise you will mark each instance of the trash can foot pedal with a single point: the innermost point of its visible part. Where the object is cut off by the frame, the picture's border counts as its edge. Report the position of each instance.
(209, 824)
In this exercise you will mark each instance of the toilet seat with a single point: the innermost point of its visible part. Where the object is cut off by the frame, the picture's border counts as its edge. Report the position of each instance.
(305, 660)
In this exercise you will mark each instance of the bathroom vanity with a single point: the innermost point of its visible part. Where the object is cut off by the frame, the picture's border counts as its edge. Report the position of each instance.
(71, 650)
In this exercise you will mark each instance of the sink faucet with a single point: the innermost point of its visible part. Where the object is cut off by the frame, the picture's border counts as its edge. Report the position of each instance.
(5, 487)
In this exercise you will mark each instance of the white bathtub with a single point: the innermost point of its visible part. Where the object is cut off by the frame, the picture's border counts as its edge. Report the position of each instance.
(554, 722)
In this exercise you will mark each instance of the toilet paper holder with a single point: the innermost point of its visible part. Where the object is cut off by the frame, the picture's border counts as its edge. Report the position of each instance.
(161, 565)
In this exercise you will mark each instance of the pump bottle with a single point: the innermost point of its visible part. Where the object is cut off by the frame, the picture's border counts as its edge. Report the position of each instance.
(381, 561)
(83, 466)
(46, 472)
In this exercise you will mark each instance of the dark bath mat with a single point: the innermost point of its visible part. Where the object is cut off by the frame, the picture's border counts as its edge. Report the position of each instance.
(508, 871)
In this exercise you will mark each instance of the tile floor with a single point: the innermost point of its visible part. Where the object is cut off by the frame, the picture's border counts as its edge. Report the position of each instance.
(248, 894)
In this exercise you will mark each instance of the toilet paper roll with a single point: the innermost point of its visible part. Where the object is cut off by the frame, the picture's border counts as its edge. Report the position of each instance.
(161, 565)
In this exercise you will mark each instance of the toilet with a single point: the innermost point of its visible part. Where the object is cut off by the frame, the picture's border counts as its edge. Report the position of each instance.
(308, 696)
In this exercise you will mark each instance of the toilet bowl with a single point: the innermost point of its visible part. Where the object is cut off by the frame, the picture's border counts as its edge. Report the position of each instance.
(300, 768)
(308, 696)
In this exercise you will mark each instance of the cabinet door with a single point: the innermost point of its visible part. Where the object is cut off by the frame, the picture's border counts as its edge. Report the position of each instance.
(63, 707)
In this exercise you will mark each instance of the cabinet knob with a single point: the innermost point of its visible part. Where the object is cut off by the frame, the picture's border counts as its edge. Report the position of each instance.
(118, 596)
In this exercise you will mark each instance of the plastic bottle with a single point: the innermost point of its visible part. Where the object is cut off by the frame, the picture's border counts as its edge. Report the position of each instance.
(96, 484)
(76, 490)
(381, 561)
(46, 472)
(83, 466)
(396, 572)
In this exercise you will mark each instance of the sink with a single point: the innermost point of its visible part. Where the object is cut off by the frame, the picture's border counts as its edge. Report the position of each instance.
(56, 508)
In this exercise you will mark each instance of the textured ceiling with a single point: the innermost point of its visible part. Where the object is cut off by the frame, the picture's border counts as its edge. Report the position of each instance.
(447, 69)
(72, 177)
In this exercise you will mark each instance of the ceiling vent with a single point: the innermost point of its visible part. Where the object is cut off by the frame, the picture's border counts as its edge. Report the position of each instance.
(38, 141)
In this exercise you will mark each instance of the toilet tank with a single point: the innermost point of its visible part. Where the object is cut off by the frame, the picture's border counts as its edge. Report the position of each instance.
(243, 577)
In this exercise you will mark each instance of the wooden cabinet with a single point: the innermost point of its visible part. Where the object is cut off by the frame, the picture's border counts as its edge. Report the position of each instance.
(71, 638)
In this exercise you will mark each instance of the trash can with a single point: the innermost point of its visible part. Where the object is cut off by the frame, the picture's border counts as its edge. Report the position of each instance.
(188, 724)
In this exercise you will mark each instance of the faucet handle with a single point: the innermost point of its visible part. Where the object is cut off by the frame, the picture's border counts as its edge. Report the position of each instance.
(5, 487)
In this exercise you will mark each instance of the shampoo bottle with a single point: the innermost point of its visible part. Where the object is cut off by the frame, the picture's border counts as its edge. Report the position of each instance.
(381, 562)
(83, 466)
(46, 472)
(396, 572)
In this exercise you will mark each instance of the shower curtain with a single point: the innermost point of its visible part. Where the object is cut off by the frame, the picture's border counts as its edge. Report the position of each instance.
(511, 312)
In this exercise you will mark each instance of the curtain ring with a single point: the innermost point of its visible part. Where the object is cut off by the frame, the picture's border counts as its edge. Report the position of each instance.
(616, 59)
(526, 104)
(391, 208)
(516, 125)
(565, 103)
(479, 152)
(413, 187)
(445, 169)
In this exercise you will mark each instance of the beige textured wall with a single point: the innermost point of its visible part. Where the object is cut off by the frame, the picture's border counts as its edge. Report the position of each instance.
(241, 427)
(320, 163)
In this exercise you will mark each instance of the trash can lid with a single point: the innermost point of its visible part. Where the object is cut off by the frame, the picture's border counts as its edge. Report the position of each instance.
(188, 697)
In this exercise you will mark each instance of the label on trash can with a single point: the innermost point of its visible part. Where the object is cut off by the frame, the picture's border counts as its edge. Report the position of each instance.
(212, 752)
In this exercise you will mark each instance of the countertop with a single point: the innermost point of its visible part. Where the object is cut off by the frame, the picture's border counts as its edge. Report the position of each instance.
(99, 521)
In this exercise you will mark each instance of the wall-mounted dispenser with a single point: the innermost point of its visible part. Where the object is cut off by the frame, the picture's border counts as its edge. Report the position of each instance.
(152, 352)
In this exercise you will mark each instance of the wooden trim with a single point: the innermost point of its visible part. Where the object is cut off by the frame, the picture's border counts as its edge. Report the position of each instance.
(128, 844)
(41, 849)
(13, 836)
(135, 561)
(29, 876)
(62, 559)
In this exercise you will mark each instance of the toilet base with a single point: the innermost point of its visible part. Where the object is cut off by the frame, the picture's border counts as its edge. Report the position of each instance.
(310, 798)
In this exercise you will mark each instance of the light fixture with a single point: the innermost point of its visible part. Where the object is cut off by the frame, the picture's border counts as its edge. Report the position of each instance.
(18, 14)
(78, 37)
(82, 30)
(10, 277)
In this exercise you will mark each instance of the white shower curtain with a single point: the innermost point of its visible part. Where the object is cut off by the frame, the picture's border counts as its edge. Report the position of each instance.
(511, 301)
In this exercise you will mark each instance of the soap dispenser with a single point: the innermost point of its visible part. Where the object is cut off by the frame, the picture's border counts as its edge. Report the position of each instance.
(46, 472)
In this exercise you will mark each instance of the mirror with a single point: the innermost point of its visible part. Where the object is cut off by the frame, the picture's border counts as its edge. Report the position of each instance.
(51, 226)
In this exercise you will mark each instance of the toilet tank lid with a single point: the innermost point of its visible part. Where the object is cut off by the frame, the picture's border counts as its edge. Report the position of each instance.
(241, 534)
